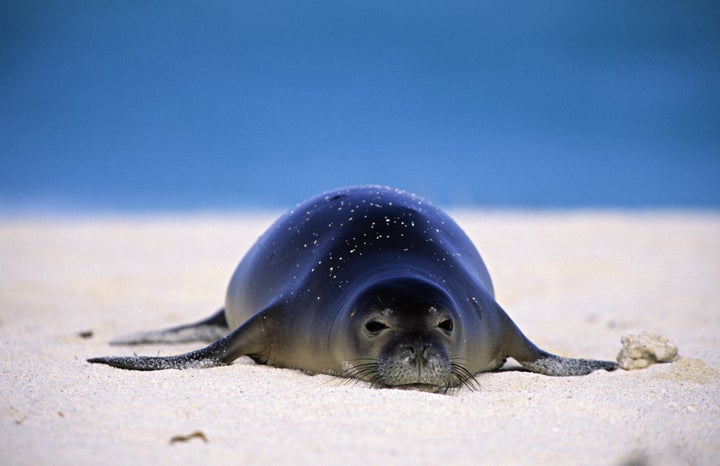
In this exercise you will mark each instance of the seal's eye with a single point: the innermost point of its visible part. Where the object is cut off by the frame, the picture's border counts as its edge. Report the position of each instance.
(375, 326)
(446, 325)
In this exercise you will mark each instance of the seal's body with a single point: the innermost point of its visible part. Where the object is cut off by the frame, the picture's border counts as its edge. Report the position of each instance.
(365, 282)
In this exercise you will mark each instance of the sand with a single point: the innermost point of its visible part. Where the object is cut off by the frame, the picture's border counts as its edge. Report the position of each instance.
(574, 282)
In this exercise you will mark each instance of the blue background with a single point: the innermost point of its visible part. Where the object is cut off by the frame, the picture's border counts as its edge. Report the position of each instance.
(147, 106)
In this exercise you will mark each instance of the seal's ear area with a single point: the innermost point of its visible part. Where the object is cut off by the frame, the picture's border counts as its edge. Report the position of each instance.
(208, 330)
(246, 340)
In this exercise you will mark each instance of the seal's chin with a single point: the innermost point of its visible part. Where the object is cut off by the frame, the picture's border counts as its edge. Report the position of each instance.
(423, 387)
(429, 376)
(425, 366)
(435, 377)
(385, 374)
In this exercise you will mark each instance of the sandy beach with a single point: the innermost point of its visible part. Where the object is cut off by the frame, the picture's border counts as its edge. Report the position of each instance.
(575, 282)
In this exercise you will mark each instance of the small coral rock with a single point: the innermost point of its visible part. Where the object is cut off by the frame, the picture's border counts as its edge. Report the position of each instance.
(640, 351)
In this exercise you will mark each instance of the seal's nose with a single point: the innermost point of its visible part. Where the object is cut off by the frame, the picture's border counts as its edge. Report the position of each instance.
(416, 351)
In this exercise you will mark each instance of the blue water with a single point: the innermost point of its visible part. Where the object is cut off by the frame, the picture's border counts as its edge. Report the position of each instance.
(137, 105)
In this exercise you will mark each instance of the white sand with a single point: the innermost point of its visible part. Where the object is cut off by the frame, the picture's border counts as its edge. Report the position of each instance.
(573, 282)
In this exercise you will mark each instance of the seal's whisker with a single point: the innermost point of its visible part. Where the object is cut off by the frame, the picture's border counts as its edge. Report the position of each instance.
(364, 370)
(463, 376)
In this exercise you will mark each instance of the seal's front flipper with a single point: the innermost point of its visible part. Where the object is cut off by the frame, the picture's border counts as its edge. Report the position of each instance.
(520, 348)
(247, 340)
(207, 330)
(206, 357)
(550, 364)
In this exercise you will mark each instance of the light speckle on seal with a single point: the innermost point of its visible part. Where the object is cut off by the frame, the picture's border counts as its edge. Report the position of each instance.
(367, 282)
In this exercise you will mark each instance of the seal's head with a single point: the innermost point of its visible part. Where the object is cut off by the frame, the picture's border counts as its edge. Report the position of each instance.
(402, 333)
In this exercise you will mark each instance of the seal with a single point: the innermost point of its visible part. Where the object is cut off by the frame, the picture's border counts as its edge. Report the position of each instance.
(367, 282)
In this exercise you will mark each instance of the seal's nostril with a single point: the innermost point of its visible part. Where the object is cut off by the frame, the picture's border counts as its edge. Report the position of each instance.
(415, 350)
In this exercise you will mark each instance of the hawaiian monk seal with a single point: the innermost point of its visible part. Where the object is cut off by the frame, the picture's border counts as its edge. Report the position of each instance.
(365, 282)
